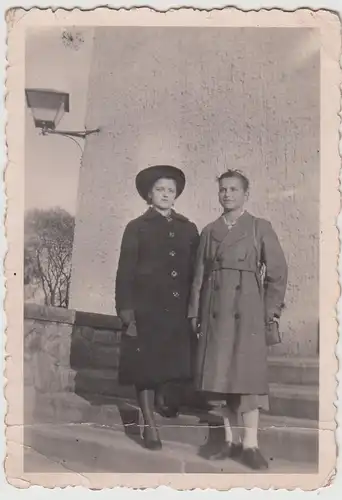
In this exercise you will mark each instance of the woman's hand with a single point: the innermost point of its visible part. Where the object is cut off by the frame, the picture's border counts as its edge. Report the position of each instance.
(127, 316)
(195, 325)
(131, 330)
(128, 322)
(273, 335)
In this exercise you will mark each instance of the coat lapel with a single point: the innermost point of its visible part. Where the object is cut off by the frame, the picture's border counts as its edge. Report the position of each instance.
(220, 231)
(150, 214)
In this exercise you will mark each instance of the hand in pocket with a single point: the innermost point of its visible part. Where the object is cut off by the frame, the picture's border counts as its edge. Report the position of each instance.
(195, 325)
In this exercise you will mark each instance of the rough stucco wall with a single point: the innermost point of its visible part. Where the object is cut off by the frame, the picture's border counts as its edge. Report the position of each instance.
(204, 100)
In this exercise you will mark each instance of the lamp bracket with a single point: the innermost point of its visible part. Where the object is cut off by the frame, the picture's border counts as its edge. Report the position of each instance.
(81, 134)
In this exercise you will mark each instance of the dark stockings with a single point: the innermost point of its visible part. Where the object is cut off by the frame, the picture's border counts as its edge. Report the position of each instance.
(146, 398)
(159, 396)
(167, 399)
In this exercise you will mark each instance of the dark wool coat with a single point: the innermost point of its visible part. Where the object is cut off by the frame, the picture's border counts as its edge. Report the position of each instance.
(153, 284)
(226, 297)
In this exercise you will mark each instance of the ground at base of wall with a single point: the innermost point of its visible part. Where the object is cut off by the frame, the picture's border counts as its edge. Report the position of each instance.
(281, 438)
(88, 449)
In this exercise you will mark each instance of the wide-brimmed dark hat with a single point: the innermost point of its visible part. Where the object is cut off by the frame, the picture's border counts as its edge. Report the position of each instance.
(147, 177)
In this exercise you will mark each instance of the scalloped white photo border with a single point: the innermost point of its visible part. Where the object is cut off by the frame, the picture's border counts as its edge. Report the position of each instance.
(330, 137)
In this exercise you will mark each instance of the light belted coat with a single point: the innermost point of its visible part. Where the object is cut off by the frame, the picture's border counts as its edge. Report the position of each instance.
(226, 298)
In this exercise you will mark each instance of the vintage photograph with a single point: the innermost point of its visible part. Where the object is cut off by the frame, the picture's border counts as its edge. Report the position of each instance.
(171, 248)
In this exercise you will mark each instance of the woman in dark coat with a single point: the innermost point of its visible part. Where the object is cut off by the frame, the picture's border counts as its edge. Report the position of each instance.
(238, 313)
(153, 283)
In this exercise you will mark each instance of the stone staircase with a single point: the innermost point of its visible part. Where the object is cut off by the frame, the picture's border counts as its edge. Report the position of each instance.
(281, 438)
(289, 430)
(293, 381)
(291, 400)
(92, 448)
(86, 391)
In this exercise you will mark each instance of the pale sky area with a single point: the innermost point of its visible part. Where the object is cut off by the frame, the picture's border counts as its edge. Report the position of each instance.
(52, 162)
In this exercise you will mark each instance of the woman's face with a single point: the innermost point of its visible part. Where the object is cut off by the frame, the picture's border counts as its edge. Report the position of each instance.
(232, 195)
(163, 193)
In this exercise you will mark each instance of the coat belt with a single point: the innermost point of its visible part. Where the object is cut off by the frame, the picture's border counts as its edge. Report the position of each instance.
(217, 266)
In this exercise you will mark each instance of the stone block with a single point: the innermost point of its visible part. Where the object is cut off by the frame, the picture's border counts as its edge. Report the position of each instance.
(97, 321)
(96, 381)
(94, 348)
(293, 370)
(105, 356)
(81, 350)
(107, 337)
(48, 313)
(65, 379)
(58, 347)
(294, 401)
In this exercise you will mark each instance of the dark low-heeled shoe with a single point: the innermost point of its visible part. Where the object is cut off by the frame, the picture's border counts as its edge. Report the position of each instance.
(228, 450)
(151, 439)
(167, 411)
(252, 458)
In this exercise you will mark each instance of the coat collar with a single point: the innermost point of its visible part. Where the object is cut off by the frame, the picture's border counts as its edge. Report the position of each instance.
(220, 230)
(151, 214)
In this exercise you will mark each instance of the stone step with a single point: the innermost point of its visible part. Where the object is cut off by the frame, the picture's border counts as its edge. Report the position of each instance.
(299, 371)
(97, 383)
(293, 370)
(99, 349)
(87, 448)
(291, 400)
(294, 401)
(280, 437)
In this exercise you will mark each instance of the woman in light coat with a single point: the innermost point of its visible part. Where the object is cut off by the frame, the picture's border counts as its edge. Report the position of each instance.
(234, 312)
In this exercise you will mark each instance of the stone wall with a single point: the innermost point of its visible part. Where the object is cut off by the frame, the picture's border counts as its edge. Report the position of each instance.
(47, 344)
(95, 350)
(204, 99)
(71, 362)
(70, 366)
(71, 353)
(47, 348)
(68, 352)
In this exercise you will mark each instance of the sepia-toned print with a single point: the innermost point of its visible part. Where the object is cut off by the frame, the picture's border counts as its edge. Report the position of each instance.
(172, 283)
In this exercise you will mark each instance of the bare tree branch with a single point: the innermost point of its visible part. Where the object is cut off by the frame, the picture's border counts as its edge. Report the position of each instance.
(48, 249)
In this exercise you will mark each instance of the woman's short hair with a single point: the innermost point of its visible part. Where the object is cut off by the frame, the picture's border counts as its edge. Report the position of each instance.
(237, 174)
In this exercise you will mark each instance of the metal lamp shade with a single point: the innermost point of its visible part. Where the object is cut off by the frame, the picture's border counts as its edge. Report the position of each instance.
(47, 106)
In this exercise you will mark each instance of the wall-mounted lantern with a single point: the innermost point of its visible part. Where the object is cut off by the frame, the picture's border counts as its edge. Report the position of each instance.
(48, 108)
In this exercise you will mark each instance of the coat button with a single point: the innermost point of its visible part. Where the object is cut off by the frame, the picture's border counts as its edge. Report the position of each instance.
(172, 253)
(237, 316)
(176, 294)
(214, 315)
(171, 234)
(238, 287)
(174, 274)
